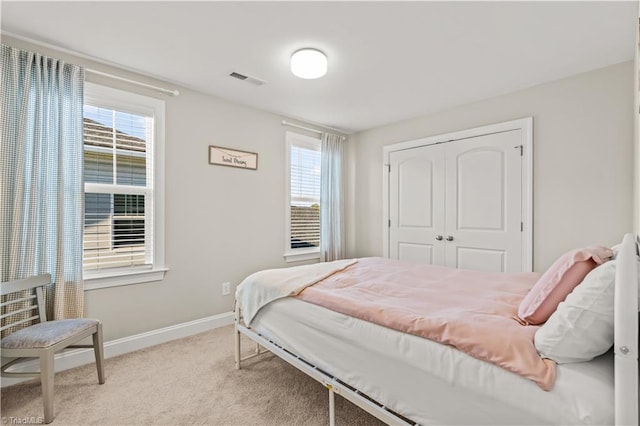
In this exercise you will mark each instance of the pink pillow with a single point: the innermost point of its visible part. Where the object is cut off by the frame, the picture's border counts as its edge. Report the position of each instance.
(558, 281)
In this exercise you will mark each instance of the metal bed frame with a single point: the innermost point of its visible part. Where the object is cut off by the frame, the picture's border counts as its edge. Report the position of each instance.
(625, 351)
(333, 384)
(626, 333)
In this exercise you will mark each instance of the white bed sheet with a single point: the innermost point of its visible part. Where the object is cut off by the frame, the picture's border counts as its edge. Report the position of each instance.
(431, 383)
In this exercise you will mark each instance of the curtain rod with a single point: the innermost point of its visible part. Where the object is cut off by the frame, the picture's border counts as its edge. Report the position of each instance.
(288, 123)
(91, 58)
(138, 83)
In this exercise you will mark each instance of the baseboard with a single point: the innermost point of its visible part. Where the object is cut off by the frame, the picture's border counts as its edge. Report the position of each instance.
(77, 357)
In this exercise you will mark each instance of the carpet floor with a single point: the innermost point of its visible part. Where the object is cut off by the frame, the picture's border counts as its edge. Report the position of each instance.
(186, 381)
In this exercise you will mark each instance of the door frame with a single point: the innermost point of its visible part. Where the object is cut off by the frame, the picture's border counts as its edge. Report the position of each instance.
(525, 125)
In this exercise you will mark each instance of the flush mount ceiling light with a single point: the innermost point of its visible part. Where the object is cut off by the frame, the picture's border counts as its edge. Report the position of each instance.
(308, 63)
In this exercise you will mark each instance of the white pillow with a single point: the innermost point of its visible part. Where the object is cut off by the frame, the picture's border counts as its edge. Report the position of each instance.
(582, 326)
(616, 249)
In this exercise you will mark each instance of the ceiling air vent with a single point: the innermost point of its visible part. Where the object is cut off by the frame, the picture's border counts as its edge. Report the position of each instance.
(247, 78)
(238, 76)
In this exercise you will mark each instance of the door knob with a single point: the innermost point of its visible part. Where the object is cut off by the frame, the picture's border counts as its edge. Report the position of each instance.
(449, 237)
(439, 237)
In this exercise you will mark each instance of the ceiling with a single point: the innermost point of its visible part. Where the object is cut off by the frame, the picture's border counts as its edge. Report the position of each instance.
(388, 61)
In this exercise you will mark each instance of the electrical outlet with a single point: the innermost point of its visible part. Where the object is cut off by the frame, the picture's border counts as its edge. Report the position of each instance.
(226, 289)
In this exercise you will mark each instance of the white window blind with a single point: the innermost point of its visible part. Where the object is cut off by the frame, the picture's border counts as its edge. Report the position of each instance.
(304, 176)
(118, 175)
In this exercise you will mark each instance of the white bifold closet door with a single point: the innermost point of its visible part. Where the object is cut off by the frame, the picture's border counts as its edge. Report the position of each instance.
(458, 203)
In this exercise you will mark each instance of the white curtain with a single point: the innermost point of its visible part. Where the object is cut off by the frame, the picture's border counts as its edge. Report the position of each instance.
(41, 175)
(332, 198)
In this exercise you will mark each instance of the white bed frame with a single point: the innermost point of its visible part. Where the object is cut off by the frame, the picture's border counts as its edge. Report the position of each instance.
(625, 350)
(626, 333)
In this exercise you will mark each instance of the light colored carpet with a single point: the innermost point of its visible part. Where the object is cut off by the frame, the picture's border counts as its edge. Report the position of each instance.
(187, 381)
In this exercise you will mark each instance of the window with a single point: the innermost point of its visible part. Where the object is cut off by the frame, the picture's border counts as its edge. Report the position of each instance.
(303, 197)
(123, 175)
(128, 221)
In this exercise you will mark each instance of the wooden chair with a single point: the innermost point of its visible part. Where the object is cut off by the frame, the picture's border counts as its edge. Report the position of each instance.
(43, 339)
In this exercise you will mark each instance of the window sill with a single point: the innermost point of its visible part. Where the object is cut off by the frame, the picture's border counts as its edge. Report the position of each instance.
(299, 256)
(94, 281)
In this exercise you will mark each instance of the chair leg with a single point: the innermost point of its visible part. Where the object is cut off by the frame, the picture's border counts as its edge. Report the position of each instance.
(98, 349)
(47, 372)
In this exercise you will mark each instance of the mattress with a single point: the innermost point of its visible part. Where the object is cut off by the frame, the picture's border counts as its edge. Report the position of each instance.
(431, 383)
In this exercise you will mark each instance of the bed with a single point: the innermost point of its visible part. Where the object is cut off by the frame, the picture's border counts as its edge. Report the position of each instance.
(403, 378)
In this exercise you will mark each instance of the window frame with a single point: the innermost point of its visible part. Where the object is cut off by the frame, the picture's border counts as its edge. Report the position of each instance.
(306, 253)
(99, 95)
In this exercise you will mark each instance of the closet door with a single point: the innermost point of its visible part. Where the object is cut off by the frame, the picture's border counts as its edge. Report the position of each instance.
(416, 204)
(483, 202)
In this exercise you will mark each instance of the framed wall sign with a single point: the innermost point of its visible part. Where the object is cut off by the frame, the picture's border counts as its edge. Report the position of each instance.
(232, 158)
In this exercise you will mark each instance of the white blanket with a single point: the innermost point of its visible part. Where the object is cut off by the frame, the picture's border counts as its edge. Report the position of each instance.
(263, 287)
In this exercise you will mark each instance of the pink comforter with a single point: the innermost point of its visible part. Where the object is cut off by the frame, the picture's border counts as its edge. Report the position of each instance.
(469, 310)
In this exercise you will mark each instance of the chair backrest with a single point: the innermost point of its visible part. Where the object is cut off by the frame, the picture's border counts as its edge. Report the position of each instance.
(26, 305)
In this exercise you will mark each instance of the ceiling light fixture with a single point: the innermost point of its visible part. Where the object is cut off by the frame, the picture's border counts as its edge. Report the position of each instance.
(308, 63)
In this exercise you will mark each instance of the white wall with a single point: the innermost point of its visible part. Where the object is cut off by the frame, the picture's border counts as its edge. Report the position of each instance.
(221, 223)
(583, 166)
(636, 78)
